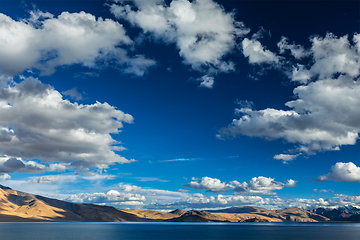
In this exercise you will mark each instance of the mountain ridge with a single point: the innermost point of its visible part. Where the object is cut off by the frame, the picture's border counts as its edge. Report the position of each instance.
(17, 206)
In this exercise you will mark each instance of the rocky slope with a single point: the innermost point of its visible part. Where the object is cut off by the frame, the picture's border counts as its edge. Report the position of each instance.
(16, 206)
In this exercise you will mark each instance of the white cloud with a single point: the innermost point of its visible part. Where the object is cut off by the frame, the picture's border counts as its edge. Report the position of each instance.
(37, 122)
(130, 194)
(57, 167)
(44, 42)
(255, 52)
(138, 65)
(210, 185)
(47, 179)
(206, 81)
(336, 201)
(297, 51)
(331, 55)
(170, 200)
(111, 197)
(261, 186)
(256, 186)
(12, 164)
(342, 172)
(202, 31)
(129, 188)
(199, 201)
(300, 74)
(286, 157)
(5, 176)
(332, 94)
(335, 100)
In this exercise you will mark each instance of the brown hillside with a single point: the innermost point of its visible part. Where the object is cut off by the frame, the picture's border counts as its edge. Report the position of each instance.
(23, 207)
(16, 206)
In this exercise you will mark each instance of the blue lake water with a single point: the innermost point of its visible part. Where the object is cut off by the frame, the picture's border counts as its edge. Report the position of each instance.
(174, 231)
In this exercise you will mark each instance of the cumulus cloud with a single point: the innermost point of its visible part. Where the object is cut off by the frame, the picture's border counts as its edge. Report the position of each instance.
(210, 185)
(332, 94)
(37, 123)
(261, 186)
(335, 100)
(168, 200)
(290, 183)
(202, 31)
(110, 197)
(342, 172)
(199, 201)
(10, 165)
(330, 55)
(45, 42)
(255, 52)
(336, 201)
(256, 186)
(130, 195)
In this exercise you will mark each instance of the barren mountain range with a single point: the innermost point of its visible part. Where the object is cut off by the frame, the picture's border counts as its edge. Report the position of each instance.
(16, 206)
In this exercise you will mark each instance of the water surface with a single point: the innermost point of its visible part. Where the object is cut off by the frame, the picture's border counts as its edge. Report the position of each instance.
(174, 231)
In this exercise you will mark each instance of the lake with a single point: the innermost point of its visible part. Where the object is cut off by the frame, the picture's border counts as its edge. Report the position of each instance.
(174, 231)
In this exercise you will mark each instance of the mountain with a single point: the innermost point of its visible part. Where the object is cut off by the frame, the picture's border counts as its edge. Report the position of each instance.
(198, 216)
(249, 213)
(16, 206)
(340, 214)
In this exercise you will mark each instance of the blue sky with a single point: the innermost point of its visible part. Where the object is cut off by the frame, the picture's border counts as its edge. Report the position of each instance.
(181, 104)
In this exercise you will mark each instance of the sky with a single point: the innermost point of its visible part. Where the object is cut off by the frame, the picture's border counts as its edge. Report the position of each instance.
(181, 104)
